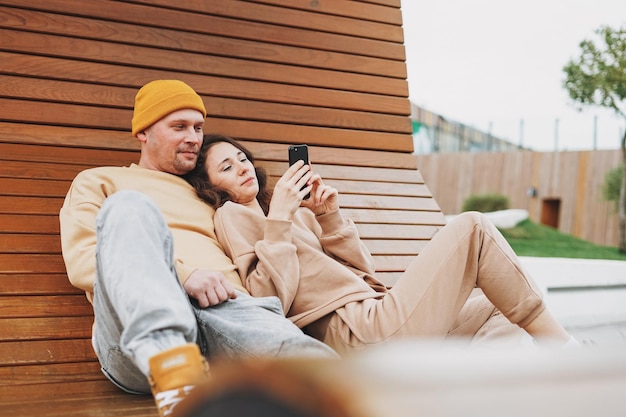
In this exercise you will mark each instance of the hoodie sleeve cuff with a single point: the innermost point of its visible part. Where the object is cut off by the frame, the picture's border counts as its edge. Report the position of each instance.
(277, 231)
(331, 223)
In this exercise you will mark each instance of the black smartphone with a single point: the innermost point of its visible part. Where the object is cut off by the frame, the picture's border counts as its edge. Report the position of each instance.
(297, 153)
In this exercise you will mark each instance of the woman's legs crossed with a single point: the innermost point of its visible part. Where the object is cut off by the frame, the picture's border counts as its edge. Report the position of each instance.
(480, 323)
(427, 300)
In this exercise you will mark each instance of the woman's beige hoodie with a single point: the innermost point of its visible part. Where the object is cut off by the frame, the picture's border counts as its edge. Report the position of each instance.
(315, 265)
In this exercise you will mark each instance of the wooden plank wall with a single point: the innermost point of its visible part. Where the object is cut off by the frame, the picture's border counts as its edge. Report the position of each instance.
(323, 73)
(575, 178)
(328, 73)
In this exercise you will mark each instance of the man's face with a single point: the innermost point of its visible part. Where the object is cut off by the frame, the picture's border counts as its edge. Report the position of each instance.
(172, 144)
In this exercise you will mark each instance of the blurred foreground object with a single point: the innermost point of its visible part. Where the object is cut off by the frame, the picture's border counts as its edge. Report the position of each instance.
(271, 388)
(421, 379)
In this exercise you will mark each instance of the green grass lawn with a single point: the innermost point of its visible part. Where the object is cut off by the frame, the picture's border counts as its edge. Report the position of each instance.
(532, 239)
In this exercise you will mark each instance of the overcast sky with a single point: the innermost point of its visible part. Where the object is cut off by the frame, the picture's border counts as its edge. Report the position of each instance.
(490, 64)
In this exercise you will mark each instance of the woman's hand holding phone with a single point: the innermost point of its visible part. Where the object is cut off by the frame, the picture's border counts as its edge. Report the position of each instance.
(289, 191)
(324, 197)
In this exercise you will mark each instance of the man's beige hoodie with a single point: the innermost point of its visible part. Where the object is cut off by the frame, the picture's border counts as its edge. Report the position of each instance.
(188, 217)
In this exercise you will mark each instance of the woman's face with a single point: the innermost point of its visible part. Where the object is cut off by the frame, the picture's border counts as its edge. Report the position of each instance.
(229, 169)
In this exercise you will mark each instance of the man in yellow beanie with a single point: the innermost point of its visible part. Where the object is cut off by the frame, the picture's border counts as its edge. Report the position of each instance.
(142, 246)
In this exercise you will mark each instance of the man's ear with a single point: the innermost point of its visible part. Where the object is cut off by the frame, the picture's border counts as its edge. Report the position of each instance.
(142, 136)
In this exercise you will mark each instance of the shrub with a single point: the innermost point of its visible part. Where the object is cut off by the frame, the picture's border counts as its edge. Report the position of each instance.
(486, 203)
(612, 184)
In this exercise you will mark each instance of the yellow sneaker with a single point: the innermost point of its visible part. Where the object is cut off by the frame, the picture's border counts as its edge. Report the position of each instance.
(174, 373)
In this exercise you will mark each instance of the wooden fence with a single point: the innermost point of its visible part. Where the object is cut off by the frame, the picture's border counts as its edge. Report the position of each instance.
(561, 189)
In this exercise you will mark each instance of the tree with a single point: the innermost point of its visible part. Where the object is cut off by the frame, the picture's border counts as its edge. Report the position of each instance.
(598, 78)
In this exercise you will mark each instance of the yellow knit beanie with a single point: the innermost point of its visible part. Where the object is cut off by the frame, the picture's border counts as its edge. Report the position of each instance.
(159, 98)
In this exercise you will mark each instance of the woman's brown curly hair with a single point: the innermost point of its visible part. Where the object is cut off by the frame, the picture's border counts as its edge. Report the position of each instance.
(214, 196)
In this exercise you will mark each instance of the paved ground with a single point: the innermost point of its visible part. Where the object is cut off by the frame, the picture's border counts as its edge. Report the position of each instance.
(588, 296)
(601, 334)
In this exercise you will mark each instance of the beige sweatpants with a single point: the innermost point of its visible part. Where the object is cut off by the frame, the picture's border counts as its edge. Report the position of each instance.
(432, 299)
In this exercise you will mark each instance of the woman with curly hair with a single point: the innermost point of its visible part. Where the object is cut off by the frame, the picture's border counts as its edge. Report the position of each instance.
(308, 255)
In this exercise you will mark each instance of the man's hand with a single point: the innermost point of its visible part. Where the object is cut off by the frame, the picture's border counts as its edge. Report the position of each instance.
(209, 287)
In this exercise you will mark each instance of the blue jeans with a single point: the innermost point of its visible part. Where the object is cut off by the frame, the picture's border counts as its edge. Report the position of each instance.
(142, 309)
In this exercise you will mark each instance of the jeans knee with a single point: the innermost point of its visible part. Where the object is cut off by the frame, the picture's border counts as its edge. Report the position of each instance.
(127, 205)
(126, 201)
